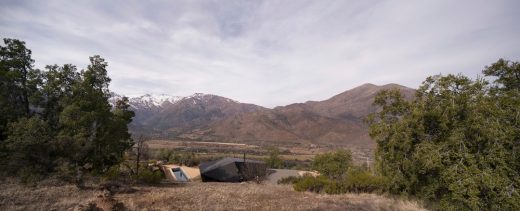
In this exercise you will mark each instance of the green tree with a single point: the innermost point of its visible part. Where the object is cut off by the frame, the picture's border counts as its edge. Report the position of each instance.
(29, 143)
(274, 160)
(455, 143)
(15, 66)
(333, 165)
(58, 116)
(57, 91)
(97, 135)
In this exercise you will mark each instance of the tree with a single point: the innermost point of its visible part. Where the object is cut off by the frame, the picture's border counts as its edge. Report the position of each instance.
(333, 165)
(274, 160)
(29, 143)
(57, 91)
(97, 135)
(141, 151)
(455, 143)
(58, 116)
(506, 73)
(15, 65)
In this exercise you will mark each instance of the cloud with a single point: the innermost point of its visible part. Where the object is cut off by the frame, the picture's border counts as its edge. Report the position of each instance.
(266, 52)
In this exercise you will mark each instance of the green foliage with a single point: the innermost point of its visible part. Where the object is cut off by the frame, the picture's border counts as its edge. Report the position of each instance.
(150, 177)
(274, 160)
(15, 65)
(178, 157)
(29, 176)
(29, 145)
(57, 91)
(113, 173)
(58, 119)
(354, 181)
(312, 184)
(363, 181)
(333, 165)
(288, 180)
(166, 155)
(456, 143)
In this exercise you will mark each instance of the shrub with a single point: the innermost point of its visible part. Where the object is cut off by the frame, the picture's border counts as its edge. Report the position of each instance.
(333, 165)
(184, 158)
(29, 176)
(28, 146)
(114, 173)
(362, 181)
(354, 181)
(312, 184)
(456, 142)
(274, 160)
(288, 180)
(148, 176)
(166, 154)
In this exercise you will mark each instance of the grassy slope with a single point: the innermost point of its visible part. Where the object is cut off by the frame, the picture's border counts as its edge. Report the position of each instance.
(196, 196)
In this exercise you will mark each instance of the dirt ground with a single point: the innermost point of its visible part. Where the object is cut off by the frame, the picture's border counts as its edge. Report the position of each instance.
(194, 196)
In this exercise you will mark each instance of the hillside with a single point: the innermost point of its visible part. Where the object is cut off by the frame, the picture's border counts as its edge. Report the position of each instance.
(193, 196)
(337, 120)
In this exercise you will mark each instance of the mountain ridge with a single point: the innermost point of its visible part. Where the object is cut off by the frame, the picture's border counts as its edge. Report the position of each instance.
(337, 120)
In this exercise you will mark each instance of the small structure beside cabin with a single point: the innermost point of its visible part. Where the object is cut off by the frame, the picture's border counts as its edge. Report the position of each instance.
(180, 173)
(232, 170)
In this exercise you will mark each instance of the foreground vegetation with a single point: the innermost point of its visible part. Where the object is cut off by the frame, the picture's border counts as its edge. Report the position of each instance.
(192, 196)
(456, 144)
(58, 121)
(338, 176)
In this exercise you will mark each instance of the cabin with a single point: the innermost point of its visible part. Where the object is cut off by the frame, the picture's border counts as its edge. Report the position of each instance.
(179, 173)
(232, 170)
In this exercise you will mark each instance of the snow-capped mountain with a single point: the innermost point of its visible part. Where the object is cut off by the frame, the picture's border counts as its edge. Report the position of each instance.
(338, 120)
(147, 101)
(158, 101)
(151, 100)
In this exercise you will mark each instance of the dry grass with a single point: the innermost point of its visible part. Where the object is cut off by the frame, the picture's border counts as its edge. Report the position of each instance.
(14, 196)
(197, 196)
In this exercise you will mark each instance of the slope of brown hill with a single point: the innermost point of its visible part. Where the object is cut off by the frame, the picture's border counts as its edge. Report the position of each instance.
(355, 103)
(338, 120)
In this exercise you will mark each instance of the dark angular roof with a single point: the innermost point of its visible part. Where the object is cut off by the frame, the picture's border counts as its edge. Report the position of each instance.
(208, 166)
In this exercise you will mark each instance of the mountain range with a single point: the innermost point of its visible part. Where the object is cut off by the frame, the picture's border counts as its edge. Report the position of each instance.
(338, 120)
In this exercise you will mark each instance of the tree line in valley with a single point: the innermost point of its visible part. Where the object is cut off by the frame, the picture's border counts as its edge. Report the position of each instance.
(58, 120)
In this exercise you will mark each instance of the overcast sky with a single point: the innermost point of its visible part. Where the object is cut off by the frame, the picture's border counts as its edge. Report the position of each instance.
(266, 52)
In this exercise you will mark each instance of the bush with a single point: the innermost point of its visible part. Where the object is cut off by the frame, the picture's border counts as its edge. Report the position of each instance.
(456, 143)
(312, 184)
(362, 181)
(274, 160)
(333, 165)
(64, 170)
(115, 173)
(288, 180)
(150, 177)
(355, 181)
(183, 158)
(28, 146)
(166, 154)
(29, 176)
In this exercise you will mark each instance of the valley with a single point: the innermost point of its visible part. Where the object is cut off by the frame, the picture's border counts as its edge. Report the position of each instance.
(337, 121)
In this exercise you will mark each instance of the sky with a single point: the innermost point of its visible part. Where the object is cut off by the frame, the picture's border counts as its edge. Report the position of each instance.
(268, 53)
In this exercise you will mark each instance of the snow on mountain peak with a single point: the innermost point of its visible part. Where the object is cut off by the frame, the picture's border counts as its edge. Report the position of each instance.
(150, 100)
(157, 100)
